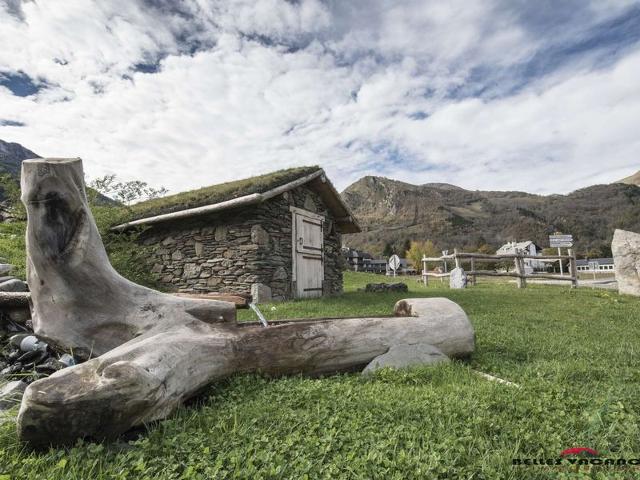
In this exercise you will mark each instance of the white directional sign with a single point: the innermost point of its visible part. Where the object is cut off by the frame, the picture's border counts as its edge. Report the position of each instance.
(394, 262)
(561, 241)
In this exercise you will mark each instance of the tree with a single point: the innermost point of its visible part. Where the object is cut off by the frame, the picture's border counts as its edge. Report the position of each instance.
(388, 250)
(417, 250)
(126, 254)
(126, 192)
(11, 190)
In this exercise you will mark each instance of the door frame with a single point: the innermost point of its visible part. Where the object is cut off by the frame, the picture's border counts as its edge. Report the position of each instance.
(294, 253)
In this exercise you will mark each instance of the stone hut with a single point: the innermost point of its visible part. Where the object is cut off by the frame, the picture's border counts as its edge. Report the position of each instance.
(275, 236)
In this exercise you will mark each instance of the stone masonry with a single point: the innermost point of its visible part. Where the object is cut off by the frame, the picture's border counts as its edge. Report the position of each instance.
(238, 249)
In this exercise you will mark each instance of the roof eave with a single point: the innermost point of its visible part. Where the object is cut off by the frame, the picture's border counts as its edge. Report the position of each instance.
(346, 224)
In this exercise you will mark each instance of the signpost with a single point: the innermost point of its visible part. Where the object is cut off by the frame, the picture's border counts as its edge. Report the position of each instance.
(560, 241)
(394, 263)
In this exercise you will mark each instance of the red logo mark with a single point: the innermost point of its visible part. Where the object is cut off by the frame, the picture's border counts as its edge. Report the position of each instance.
(579, 451)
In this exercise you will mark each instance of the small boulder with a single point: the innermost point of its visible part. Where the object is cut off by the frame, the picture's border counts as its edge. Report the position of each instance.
(11, 394)
(458, 278)
(386, 287)
(626, 258)
(14, 285)
(405, 355)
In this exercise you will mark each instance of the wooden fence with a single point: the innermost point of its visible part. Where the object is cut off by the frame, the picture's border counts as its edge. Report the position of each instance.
(518, 260)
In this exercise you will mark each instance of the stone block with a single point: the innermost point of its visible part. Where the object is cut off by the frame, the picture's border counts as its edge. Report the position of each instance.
(260, 293)
(259, 236)
(220, 233)
(191, 270)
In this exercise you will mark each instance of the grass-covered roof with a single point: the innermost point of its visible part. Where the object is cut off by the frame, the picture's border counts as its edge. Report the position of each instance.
(218, 193)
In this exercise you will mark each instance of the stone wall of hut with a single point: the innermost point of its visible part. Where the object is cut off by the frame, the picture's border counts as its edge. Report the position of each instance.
(245, 251)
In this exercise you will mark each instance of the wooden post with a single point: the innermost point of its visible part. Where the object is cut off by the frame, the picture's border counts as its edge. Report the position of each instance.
(473, 269)
(455, 257)
(572, 269)
(425, 277)
(560, 261)
(519, 265)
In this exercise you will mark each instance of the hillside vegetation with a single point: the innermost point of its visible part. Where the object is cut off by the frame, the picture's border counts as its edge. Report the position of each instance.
(394, 212)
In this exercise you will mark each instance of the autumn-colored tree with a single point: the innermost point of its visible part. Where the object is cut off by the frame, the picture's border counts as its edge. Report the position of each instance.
(417, 250)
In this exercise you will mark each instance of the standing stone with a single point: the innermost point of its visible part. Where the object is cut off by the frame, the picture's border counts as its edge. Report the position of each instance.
(406, 355)
(626, 258)
(458, 278)
(260, 293)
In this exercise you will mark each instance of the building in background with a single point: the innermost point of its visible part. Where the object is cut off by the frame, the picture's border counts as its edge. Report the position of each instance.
(356, 258)
(595, 265)
(526, 248)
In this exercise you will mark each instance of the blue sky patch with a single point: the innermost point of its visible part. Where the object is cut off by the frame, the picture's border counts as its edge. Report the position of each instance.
(20, 83)
(11, 123)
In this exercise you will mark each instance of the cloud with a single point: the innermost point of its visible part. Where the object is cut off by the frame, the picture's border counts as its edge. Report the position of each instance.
(490, 95)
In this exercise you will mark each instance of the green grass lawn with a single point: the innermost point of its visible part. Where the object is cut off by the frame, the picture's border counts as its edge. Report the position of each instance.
(573, 352)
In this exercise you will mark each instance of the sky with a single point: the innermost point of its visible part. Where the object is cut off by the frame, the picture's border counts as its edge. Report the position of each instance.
(539, 96)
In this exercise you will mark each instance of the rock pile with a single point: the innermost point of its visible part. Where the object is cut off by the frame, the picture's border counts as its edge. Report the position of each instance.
(23, 357)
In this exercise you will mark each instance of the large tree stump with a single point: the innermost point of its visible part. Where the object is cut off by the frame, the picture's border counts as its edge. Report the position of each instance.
(153, 350)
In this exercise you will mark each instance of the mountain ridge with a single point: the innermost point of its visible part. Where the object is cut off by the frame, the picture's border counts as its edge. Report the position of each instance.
(394, 212)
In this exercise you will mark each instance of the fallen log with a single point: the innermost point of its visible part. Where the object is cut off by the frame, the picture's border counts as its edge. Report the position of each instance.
(14, 299)
(154, 350)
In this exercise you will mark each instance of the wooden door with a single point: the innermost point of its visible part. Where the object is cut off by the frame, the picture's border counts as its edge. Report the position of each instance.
(308, 253)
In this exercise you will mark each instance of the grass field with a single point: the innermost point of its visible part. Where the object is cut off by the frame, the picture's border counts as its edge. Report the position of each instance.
(574, 354)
